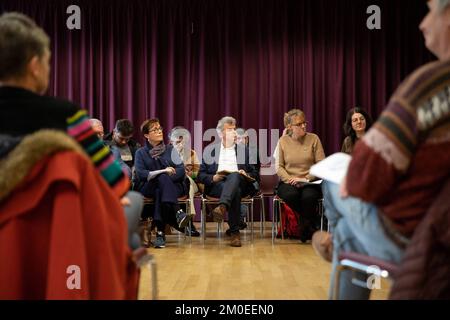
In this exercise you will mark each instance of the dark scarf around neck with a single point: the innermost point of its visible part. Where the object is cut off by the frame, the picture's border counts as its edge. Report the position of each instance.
(157, 151)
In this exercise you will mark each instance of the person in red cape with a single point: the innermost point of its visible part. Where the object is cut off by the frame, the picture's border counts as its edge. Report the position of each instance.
(63, 230)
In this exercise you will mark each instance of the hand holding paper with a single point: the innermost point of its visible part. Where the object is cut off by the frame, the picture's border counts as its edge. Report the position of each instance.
(333, 168)
(241, 172)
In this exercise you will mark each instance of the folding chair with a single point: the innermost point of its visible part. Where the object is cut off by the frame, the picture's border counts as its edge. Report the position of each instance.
(141, 257)
(276, 213)
(360, 263)
(181, 200)
(268, 181)
(207, 200)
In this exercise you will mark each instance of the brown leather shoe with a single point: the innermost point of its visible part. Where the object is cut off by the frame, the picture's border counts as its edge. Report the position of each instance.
(235, 240)
(323, 245)
(219, 213)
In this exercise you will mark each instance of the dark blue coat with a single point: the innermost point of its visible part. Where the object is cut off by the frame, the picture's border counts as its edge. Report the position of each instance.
(144, 163)
(209, 165)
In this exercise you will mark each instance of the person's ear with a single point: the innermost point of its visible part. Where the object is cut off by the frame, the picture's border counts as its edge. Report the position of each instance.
(146, 136)
(33, 66)
(447, 16)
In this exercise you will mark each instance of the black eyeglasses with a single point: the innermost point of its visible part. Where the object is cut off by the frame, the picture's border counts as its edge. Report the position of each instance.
(300, 124)
(156, 130)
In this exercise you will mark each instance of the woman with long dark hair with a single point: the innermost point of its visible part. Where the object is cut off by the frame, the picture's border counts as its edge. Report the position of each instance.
(357, 123)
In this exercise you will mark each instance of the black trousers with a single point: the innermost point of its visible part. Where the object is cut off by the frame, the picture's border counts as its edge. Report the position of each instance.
(165, 193)
(303, 200)
(230, 191)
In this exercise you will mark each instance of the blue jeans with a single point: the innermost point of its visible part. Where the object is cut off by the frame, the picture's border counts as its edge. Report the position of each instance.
(356, 227)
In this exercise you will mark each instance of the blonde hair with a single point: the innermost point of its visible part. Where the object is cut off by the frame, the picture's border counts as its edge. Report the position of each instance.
(290, 114)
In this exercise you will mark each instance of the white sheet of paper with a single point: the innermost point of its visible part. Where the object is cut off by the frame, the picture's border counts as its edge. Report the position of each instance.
(154, 174)
(333, 168)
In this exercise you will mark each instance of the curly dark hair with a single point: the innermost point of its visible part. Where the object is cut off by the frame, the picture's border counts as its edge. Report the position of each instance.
(125, 127)
(348, 129)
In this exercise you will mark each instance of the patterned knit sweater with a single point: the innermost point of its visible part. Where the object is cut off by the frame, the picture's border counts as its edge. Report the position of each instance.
(24, 112)
(80, 129)
(402, 162)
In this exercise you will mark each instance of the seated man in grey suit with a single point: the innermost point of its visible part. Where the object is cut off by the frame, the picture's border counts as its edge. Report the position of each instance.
(227, 174)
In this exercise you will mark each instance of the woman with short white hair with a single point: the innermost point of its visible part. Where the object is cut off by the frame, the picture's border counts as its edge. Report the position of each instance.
(180, 138)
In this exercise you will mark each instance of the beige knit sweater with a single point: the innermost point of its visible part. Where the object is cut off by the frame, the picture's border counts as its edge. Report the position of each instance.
(295, 157)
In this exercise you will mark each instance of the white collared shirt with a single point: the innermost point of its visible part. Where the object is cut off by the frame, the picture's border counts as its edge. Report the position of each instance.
(227, 159)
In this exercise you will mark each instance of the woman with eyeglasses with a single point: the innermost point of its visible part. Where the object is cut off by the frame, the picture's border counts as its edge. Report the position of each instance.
(357, 123)
(297, 152)
(160, 175)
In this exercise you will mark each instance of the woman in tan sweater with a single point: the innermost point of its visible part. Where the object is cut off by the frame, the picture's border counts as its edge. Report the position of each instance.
(297, 152)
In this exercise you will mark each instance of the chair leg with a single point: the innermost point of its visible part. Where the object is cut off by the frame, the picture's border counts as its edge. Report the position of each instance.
(321, 215)
(153, 272)
(263, 216)
(219, 225)
(145, 232)
(251, 219)
(337, 278)
(188, 209)
(281, 220)
(274, 220)
(247, 216)
(203, 220)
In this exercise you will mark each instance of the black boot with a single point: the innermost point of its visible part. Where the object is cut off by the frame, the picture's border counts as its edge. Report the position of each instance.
(194, 232)
(307, 231)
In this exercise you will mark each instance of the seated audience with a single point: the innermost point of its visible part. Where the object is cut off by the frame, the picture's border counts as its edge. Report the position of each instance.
(121, 140)
(97, 126)
(399, 166)
(228, 156)
(357, 123)
(297, 152)
(243, 139)
(180, 139)
(160, 175)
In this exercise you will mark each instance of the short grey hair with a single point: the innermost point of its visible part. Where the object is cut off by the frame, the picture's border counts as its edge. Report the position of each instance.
(290, 114)
(95, 122)
(227, 120)
(177, 132)
(443, 4)
(20, 40)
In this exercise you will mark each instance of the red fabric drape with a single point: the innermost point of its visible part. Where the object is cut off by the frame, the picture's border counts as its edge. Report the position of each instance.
(64, 214)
